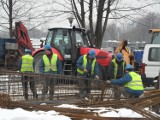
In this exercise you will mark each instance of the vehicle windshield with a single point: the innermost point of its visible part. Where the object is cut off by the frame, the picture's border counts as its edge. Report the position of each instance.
(82, 38)
(49, 37)
(156, 38)
(60, 39)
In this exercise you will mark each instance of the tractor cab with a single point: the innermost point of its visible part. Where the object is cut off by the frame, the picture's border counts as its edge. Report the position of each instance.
(64, 39)
(67, 41)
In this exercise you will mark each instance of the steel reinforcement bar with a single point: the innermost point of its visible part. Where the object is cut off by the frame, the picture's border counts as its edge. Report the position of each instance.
(67, 88)
(64, 87)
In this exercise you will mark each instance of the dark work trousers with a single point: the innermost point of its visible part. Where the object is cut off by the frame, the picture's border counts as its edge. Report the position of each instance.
(25, 81)
(84, 87)
(126, 94)
(48, 83)
(117, 94)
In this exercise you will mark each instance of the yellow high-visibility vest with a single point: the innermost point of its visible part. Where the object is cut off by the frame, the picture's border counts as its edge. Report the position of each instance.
(116, 67)
(85, 64)
(27, 63)
(135, 83)
(50, 65)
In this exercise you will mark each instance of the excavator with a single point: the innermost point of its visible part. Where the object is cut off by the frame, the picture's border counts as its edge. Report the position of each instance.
(76, 42)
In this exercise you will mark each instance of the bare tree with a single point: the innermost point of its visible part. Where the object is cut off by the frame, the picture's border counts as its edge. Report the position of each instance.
(101, 11)
(32, 12)
(11, 10)
(139, 31)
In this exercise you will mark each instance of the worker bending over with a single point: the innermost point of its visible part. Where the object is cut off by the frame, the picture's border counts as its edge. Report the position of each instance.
(132, 83)
(116, 71)
(87, 67)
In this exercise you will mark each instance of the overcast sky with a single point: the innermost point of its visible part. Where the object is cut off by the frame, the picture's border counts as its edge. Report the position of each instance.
(63, 22)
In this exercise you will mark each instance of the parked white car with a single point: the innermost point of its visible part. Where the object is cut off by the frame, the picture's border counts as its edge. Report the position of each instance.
(150, 64)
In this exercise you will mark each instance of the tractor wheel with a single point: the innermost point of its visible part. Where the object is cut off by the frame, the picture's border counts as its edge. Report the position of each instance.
(38, 82)
(37, 59)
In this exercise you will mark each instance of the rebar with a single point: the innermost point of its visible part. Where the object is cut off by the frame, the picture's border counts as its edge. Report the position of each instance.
(66, 90)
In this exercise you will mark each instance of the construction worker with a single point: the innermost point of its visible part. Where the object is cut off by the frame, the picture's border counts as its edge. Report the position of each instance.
(26, 65)
(123, 48)
(50, 64)
(87, 67)
(116, 71)
(132, 83)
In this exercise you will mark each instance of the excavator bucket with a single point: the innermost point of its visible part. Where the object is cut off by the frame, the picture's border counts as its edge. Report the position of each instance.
(22, 38)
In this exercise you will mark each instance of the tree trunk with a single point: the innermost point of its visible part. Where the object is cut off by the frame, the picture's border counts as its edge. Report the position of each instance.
(91, 15)
(98, 31)
(106, 20)
(82, 13)
(10, 19)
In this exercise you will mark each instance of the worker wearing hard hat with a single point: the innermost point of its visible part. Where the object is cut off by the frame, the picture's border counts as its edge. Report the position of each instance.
(132, 83)
(50, 64)
(116, 67)
(26, 65)
(87, 67)
(116, 71)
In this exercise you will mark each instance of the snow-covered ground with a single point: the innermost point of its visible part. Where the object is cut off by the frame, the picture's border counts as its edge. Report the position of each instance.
(20, 114)
(107, 112)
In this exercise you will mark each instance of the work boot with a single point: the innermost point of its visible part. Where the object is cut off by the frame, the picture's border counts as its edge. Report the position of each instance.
(50, 97)
(82, 96)
(35, 96)
(88, 95)
(26, 96)
(43, 97)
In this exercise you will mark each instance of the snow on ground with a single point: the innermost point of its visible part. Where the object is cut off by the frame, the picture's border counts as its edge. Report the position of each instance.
(107, 112)
(20, 114)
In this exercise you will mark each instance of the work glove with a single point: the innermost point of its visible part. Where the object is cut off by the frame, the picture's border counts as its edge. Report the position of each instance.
(85, 70)
(97, 77)
(108, 81)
